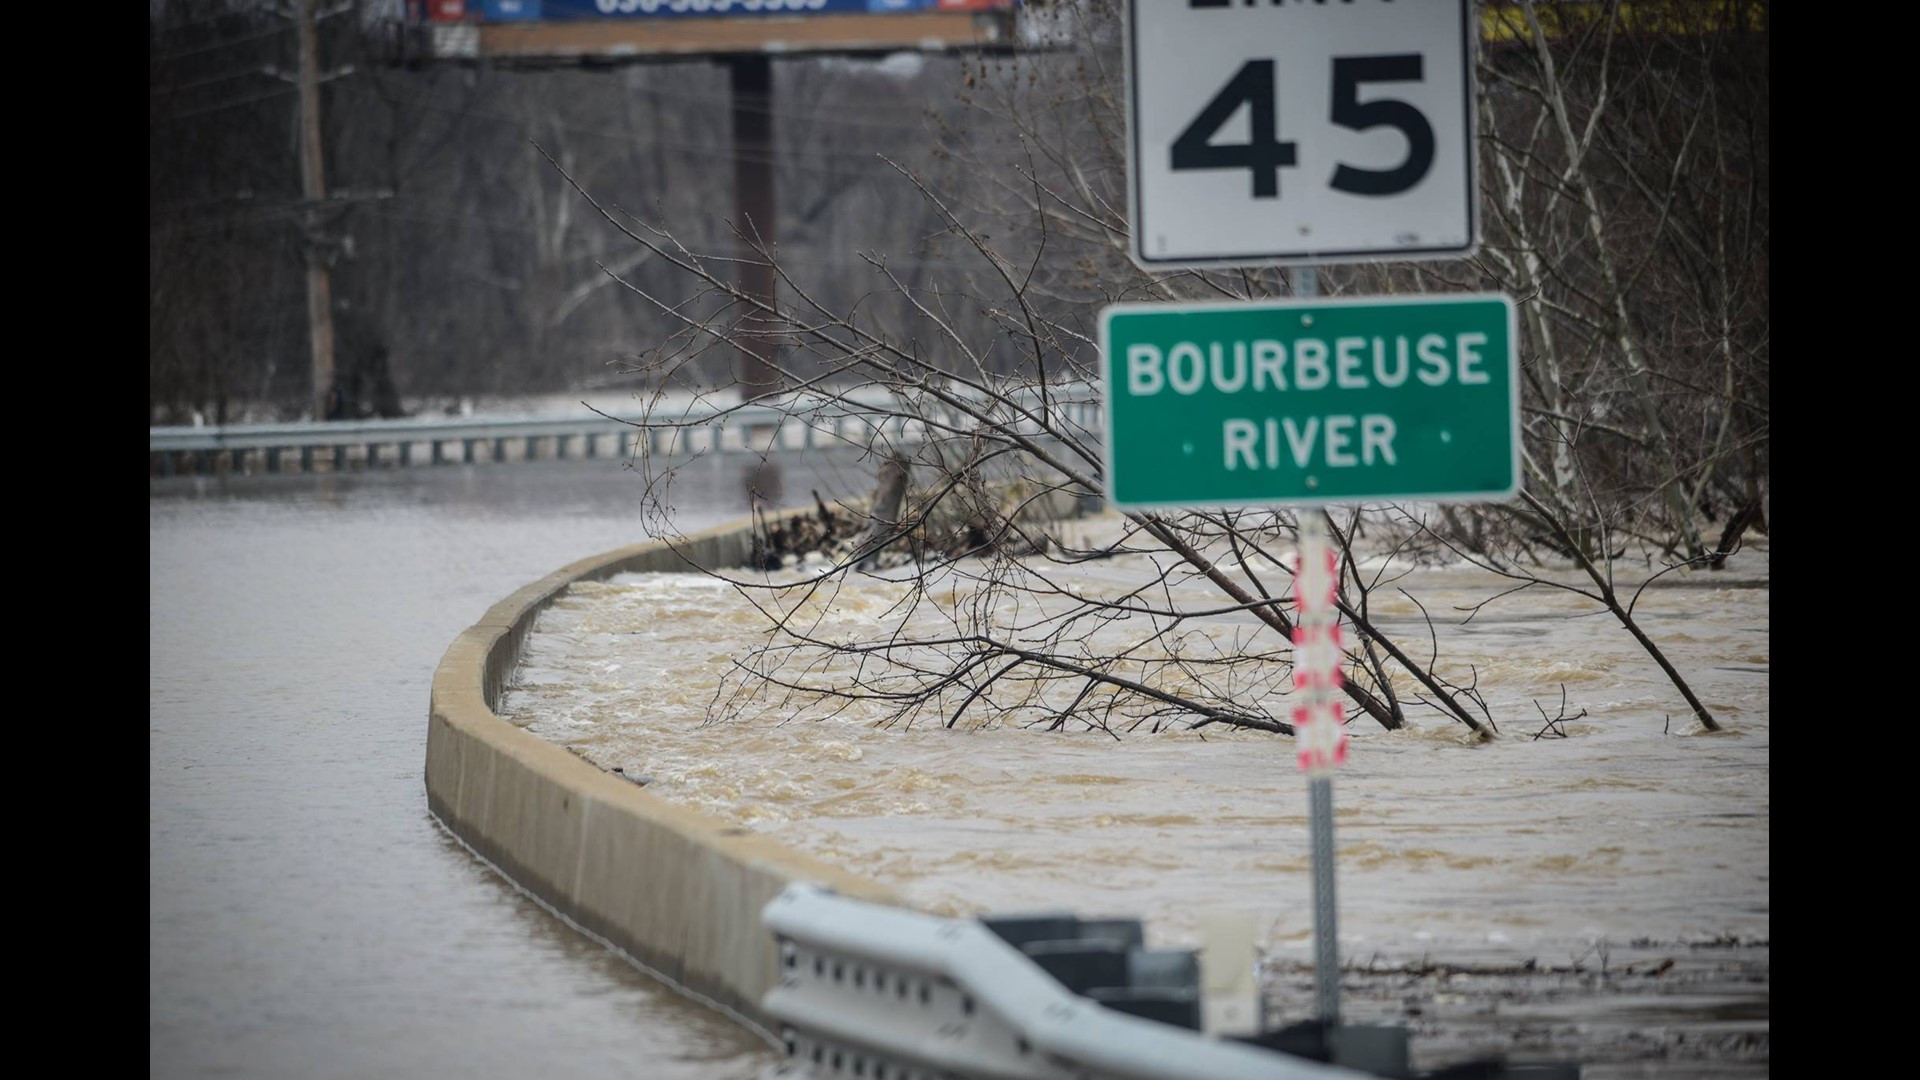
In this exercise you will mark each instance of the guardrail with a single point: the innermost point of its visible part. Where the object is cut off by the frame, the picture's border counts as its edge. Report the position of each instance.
(868, 990)
(874, 991)
(796, 425)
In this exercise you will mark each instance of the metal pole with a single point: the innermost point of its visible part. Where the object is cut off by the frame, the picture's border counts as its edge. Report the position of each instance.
(1326, 933)
(313, 187)
(1317, 622)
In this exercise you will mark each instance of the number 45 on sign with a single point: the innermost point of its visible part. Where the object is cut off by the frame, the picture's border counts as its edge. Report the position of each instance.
(1263, 131)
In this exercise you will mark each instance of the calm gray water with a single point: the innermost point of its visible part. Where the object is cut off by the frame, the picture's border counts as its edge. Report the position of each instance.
(308, 917)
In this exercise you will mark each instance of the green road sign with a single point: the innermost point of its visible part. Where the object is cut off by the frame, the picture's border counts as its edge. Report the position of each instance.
(1291, 402)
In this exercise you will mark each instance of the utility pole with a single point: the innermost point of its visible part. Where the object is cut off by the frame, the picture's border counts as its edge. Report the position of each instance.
(313, 184)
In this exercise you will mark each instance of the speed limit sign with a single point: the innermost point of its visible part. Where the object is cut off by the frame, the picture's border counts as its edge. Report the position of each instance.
(1271, 132)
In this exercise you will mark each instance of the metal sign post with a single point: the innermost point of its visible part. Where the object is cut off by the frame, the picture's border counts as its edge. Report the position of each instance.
(1319, 736)
(1316, 721)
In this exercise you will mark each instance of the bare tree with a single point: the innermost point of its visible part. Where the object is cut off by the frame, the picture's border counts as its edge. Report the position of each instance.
(1008, 442)
(1626, 184)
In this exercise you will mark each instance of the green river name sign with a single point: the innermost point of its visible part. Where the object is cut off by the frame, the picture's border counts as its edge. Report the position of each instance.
(1309, 402)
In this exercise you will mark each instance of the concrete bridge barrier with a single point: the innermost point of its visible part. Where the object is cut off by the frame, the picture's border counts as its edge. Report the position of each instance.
(677, 890)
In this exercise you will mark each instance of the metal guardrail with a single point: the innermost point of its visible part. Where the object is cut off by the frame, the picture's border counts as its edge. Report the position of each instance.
(872, 991)
(803, 423)
(331, 433)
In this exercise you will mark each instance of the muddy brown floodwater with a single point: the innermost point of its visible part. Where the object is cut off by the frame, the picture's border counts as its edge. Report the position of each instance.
(1602, 896)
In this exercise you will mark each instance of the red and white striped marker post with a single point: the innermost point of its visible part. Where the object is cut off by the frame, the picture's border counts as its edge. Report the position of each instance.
(1319, 733)
(1318, 650)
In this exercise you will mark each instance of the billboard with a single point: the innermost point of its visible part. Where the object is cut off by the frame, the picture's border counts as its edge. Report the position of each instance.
(550, 32)
(558, 10)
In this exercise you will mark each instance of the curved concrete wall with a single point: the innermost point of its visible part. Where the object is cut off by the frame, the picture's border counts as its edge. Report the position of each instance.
(678, 890)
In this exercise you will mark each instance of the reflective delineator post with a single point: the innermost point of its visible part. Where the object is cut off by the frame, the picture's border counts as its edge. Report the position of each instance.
(1319, 735)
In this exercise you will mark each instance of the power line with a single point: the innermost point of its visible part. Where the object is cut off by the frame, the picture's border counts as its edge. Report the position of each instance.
(230, 42)
(264, 95)
(266, 215)
(177, 88)
(242, 200)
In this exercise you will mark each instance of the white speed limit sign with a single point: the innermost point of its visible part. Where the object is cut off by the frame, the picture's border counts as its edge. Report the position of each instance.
(1299, 131)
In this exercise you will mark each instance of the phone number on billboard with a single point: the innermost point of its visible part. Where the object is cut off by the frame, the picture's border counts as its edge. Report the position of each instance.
(681, 7)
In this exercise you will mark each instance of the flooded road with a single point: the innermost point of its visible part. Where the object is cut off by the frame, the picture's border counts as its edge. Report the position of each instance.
(1604, 896)
(1549, 894)
(307, 917)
